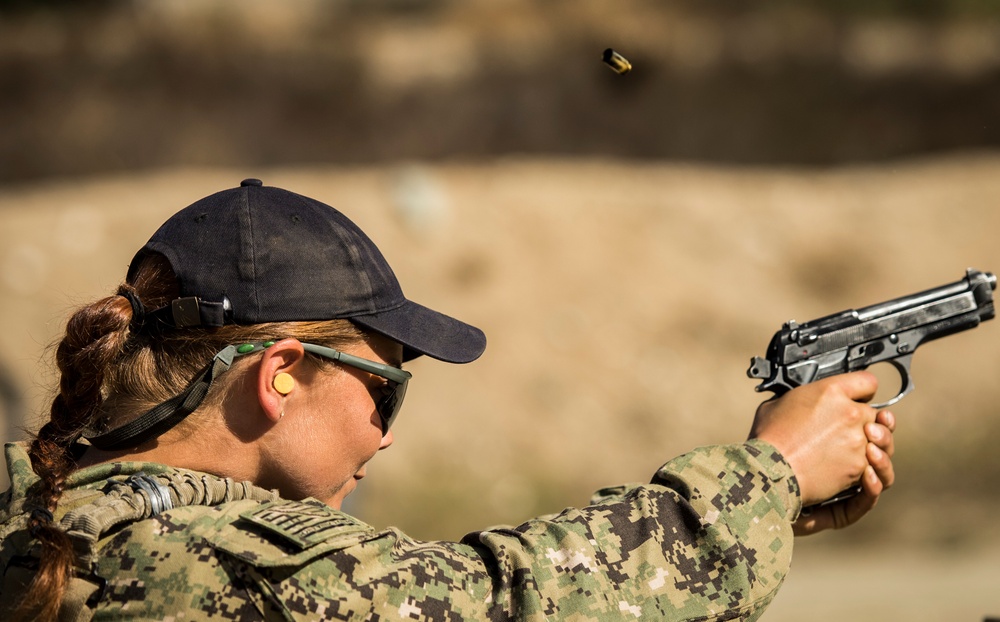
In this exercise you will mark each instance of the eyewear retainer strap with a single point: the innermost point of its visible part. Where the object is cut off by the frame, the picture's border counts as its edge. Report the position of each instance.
(166, 415)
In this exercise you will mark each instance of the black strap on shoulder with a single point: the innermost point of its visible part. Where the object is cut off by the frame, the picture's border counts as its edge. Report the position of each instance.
(166, 415)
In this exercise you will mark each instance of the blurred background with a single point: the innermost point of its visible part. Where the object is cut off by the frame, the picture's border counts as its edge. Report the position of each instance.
(627, 242)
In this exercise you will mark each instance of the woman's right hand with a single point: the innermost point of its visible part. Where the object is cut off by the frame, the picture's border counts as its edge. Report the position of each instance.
(822, 429)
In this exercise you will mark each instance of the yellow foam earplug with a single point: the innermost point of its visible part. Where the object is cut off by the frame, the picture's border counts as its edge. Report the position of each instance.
(283, 383)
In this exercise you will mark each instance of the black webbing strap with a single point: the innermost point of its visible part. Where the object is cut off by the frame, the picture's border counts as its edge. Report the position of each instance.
(185, 312)
(166, 415)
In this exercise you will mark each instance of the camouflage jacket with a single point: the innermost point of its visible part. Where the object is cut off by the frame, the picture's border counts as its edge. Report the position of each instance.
(708, 539)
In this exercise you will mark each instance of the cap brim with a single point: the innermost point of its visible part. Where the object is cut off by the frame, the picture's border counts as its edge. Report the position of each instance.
(424, 331)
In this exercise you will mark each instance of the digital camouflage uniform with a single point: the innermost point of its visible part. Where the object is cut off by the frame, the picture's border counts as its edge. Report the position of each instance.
(709, 539)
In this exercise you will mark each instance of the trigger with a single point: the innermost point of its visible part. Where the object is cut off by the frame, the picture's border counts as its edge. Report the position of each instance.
(902, 365)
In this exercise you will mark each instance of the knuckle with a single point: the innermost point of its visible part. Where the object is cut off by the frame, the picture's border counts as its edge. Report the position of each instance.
(854, 415)
(831, 390)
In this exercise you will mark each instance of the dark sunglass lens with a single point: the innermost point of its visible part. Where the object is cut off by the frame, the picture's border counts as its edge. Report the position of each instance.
(388, 406)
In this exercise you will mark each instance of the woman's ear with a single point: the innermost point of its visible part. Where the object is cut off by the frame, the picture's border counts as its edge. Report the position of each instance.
(276, 376)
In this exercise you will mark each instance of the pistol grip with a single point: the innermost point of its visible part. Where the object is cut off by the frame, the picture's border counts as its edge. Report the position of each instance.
(843, 495)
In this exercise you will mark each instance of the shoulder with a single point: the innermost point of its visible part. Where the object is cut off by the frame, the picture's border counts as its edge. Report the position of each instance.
(246, 529)
(239, 558)
(285, 558)
(281, 532)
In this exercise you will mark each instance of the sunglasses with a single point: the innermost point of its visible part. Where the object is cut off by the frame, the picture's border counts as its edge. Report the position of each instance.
(392, 396)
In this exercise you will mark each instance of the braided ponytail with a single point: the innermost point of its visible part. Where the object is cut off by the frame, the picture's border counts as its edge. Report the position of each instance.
(96, 336)
(112, 369)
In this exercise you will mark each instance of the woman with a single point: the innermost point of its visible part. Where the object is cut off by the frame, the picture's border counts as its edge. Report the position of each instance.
(214, 413)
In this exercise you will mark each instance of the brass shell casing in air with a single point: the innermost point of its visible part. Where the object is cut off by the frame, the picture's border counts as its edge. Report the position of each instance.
(618, 63)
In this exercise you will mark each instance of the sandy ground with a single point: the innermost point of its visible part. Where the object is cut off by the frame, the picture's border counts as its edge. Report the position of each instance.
(876, 585)
(622, 301)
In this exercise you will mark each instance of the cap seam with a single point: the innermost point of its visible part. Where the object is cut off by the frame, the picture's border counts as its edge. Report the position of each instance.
(352, 248)
(253, 253)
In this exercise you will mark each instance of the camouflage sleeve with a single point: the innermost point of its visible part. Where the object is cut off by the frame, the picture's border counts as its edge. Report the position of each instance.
(709, 539)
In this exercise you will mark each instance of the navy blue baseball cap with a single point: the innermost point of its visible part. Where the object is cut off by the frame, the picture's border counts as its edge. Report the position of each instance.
(258, 254)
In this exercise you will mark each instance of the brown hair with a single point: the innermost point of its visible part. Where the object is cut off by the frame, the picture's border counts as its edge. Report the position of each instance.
(111, 371)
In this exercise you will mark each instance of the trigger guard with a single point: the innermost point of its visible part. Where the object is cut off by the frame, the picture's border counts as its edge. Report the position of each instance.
(902, 365)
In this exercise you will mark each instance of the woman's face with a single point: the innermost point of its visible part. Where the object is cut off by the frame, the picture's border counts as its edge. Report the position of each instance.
(331, 428)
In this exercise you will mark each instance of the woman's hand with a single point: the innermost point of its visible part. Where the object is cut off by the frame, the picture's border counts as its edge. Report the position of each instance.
(832, 440)
(879, 476)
